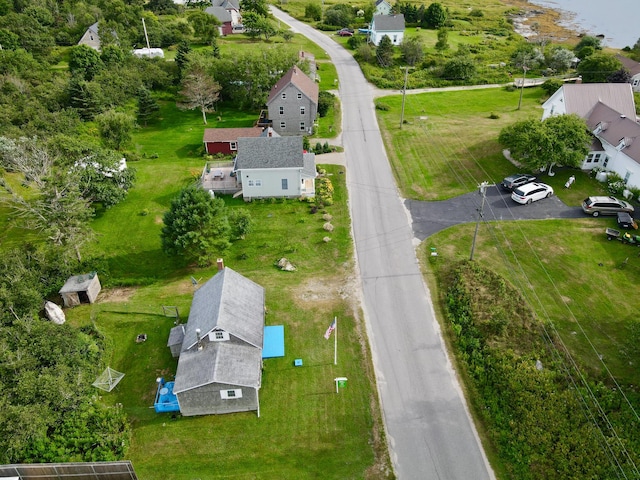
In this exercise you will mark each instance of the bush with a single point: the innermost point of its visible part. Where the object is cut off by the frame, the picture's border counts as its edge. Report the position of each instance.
(382, 106)
(325, 102)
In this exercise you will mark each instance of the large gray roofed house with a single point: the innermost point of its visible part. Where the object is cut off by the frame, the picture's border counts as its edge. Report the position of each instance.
(616, 129)
(228, 302)
(300, 80)
(389, 23)
(270, 152)
(226, 4)
(219, 362)
(580, 98)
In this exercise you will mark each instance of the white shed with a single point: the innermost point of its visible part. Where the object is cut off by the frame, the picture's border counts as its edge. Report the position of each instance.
(80, 289)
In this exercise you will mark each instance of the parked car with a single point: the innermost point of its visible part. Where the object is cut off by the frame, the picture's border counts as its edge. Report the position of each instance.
(530, 192)
(626, 221)
(345, 32)
(605, 206)
(516, 180)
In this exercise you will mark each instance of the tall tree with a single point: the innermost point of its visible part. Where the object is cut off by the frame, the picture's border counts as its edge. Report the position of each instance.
(598, 67)
(199, 90)
(559, 140)
(384, 52)
(85, 62)
(102, 178)
(258, 6)
(196, 227)
(412, 50)
(435, 16)
(182, 57)
(148, 107)
(115, 128)
(443, 39)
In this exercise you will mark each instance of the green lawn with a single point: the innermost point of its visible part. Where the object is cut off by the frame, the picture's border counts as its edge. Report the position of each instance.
(448, 143)
(305, 429)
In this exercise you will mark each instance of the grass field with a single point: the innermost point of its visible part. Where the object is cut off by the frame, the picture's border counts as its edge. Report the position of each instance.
(305, 429)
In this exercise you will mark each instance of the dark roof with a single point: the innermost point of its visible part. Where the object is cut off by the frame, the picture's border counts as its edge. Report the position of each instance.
(219, 362)
(631, 65)
(220, 13)
(580, 98)
(212, 135)
(378, 2)
(388, 23)
(228, 302)
(270, 152)
(298, 79)
(616, 127)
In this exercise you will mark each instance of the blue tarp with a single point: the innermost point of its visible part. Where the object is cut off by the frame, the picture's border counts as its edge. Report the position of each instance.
(273, 341)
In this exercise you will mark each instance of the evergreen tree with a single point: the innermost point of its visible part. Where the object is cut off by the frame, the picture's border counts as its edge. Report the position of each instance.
(435, 16)
(148, 107)
(182, 57)
(384, 52)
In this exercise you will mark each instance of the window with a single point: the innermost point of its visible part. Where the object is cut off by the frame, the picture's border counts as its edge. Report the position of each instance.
(234, 145)
(302, 110)
(283, 125)
(300, 95)
(302, 126)
(283, 95)
(281, 110)
(254, 183)
(285, 184)
(231, 394)
(218, 336)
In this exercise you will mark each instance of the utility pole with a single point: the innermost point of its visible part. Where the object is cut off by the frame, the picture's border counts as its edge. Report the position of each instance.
(404, 94)
(483, 191)
(524, 76)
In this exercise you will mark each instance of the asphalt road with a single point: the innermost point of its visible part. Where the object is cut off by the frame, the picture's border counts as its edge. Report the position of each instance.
(428, 427)
(431, 217)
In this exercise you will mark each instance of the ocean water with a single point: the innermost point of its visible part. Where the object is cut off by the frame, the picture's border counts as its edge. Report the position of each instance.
(617, 20)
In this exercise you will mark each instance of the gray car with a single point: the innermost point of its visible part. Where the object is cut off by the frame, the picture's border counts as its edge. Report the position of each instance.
(516, 180)
(605, 206)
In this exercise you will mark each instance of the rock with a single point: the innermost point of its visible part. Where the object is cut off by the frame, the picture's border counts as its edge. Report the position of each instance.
(286, 265)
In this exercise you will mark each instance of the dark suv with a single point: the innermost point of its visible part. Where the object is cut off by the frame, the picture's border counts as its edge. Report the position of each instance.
(517, 180)
(605, 206)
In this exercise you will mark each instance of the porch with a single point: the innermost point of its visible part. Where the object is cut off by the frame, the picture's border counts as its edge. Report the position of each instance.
(219, 177)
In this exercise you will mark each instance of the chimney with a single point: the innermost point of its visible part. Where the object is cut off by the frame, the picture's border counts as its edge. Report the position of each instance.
(220, 261)
(199, 339)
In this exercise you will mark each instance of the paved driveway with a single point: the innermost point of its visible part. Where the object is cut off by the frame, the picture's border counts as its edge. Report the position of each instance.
(431, 217)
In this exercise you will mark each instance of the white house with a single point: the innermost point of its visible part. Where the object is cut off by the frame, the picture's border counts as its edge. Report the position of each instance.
(91, 37)
(610, 113)
(272, 166)
(391, 26)
(382, 7)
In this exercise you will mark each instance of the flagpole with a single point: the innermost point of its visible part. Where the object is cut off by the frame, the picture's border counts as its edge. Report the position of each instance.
(335, 342)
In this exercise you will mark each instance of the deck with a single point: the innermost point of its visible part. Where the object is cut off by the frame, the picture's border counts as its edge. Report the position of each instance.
(218, 178)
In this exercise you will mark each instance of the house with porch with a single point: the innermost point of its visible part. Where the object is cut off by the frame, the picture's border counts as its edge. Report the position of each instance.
(610, 113)
(634, 70)
(220, 360)
(273, 166)
(391, 26)
(293, 103)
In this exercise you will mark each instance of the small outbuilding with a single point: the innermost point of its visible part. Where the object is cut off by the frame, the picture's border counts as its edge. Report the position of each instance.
(80, 289)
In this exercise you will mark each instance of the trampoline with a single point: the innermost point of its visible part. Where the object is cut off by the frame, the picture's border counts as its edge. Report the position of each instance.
(273, 341)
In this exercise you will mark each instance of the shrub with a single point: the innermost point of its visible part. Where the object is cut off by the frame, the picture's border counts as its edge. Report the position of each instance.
(382, 106)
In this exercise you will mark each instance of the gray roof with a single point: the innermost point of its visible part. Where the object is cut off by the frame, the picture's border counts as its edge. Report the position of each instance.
(270, 152)
(228, 302)
(615, 128)
(227, 4)
(220, 13)
(581, 98)
(219, 362)
(93, 28)
(176, 336)
(78, 283)
(631, 65)
(388, 23)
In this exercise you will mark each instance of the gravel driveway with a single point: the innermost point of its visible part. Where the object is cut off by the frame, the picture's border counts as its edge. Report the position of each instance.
(431, 217)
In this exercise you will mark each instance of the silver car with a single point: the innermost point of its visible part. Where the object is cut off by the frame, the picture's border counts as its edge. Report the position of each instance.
(605, 206)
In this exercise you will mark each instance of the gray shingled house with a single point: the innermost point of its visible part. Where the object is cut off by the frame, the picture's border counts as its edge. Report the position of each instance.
(274, 166)
(220, 363)
(293, 103)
